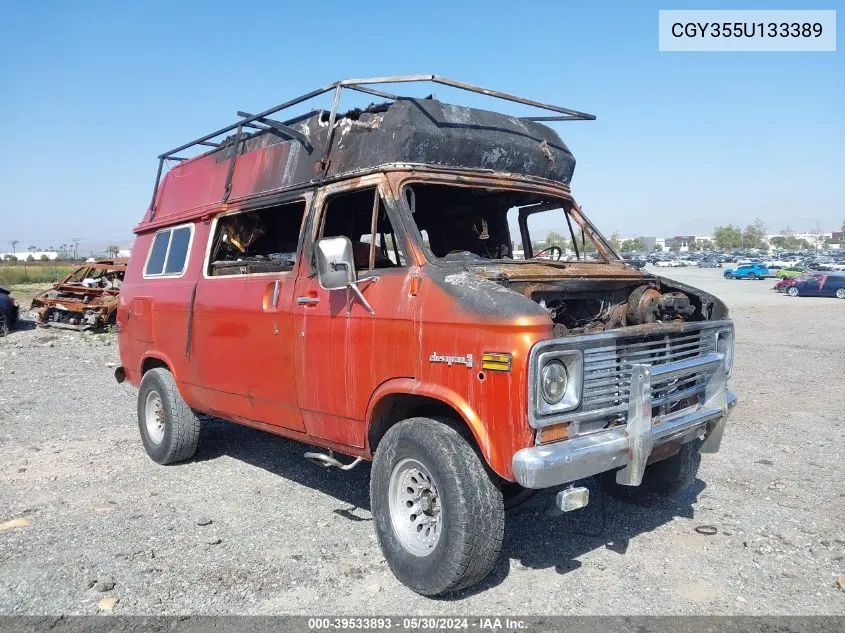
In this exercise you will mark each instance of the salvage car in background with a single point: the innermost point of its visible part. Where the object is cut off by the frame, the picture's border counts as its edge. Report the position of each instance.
(8, 311)
(84, 300)
(747, 271)
(819, 285)
(349, 280)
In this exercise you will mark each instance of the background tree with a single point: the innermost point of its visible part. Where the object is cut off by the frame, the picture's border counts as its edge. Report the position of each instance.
(114, 249)
(14, 244)
(728, 237)
(30, 258)
(754, 235)
(44, 257)
(636, 244)
(615, 241)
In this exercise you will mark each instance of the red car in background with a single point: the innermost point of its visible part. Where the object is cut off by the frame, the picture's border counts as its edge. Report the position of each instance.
(783, 284)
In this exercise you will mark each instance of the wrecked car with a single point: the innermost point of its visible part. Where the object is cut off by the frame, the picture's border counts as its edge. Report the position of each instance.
(350, 280)
(84, 300)
(8, 311)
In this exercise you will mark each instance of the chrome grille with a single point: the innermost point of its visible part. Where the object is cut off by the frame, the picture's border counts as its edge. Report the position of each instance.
(607, 369)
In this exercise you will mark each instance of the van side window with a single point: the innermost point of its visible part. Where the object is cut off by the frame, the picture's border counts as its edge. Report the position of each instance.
(169, 252)
(351, 214)
(260, 241)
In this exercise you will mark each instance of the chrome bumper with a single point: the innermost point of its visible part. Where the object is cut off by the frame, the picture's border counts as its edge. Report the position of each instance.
(628, 447)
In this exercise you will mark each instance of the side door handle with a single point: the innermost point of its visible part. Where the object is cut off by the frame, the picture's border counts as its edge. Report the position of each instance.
(307, 301)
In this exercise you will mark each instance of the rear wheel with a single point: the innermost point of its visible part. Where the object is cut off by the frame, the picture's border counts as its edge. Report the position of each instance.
(729, 274)
(439, 517)
(752, 276)
(660, 479)
(793, 291)
(840, 293)
(169, 428)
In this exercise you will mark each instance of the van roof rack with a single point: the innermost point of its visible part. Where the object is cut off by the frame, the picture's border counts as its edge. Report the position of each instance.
(261, 121)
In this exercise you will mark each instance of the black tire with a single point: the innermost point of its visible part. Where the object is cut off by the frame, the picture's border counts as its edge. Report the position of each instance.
(514, 495)
(472, 516)
(181, 426)
(752, 276)
(661, 479)
(728, 275)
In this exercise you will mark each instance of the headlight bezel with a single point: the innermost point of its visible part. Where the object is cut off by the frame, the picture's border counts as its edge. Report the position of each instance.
(573, 363)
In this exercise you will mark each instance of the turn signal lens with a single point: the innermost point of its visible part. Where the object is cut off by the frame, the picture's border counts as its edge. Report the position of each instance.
(554, 433)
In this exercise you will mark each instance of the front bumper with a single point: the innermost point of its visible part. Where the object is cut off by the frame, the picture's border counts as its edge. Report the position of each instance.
(629, 447)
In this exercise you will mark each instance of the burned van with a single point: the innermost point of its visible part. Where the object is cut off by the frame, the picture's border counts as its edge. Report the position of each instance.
(352, 281)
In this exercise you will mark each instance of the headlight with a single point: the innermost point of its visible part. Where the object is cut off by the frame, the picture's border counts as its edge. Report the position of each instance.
(555, 380)
(725, 345)
(556, 377)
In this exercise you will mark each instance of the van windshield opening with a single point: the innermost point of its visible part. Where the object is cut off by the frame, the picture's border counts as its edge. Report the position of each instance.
(478, 224)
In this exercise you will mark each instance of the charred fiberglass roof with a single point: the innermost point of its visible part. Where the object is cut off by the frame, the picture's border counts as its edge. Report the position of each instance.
(271, 155)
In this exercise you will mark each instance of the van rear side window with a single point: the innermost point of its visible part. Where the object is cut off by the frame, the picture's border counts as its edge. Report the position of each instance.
(255, 242)
(169, 252)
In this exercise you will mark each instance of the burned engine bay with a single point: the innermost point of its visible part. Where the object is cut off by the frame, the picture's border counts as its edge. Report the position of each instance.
(587, 305)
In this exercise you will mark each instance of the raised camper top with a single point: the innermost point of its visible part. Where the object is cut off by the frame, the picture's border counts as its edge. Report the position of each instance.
(258, 154)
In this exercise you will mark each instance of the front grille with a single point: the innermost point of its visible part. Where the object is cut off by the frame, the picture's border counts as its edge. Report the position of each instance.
(607, 369)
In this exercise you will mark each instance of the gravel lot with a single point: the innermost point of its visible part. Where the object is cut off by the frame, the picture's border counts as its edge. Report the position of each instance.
(249, 527)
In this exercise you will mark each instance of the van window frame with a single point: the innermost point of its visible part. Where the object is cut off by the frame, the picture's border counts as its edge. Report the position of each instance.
(212, 232)
(381, 187)
(191, 227)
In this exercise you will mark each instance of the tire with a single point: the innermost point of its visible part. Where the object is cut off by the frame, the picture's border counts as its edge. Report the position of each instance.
(840, 293)
(661, 479)
(169, 429)
(465, 511)
(793, 291)
(752, 276)
(729, 274)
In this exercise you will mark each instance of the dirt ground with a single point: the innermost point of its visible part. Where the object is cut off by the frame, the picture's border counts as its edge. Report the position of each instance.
(89, 523)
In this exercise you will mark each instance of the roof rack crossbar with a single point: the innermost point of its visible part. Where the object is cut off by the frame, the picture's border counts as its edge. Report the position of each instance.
(285, 130)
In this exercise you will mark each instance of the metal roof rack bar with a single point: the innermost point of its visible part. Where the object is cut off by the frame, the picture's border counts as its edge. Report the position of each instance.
(358, 85)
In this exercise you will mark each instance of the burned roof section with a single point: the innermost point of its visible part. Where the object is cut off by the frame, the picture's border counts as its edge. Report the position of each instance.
(272, 155)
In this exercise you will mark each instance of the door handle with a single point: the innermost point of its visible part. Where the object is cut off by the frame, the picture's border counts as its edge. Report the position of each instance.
(307, 301)
(275, 299)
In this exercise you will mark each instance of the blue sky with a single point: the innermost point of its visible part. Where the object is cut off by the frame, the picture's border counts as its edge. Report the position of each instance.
(93, 91)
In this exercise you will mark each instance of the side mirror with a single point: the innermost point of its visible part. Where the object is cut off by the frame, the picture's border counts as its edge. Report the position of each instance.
(335, 263)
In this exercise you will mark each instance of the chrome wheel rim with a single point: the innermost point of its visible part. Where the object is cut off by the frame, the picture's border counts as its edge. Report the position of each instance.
(154, 417)
(841, 293)
(416, 512)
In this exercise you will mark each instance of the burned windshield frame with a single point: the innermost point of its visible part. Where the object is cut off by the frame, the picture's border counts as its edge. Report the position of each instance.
(576, 225)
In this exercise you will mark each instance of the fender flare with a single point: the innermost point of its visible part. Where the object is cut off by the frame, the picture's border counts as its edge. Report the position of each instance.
(413, 387)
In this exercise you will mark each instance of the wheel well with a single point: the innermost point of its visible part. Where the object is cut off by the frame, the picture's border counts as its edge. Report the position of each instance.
(152, 363)
(401, 406)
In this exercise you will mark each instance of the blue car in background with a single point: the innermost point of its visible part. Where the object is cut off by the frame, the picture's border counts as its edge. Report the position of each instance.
(8, 311)
(747, 271)
(819, 285)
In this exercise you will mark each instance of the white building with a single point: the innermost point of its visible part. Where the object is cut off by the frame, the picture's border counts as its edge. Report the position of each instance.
(23, 256)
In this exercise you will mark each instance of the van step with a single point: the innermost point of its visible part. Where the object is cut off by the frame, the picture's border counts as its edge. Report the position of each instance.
(328, 461)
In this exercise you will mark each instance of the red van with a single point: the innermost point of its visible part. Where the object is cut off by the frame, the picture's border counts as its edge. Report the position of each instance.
(354, 281)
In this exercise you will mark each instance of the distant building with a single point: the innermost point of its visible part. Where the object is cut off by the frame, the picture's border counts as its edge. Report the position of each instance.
(681, 242)
(36, 255)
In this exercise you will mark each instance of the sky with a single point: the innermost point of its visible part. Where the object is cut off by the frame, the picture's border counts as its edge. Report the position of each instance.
(91, 92)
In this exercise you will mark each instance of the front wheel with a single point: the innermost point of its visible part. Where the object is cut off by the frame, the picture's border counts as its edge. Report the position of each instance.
(793, 291)
(660, 479)
(438, 515)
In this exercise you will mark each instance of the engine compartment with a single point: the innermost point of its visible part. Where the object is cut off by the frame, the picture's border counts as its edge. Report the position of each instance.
(580, 306)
